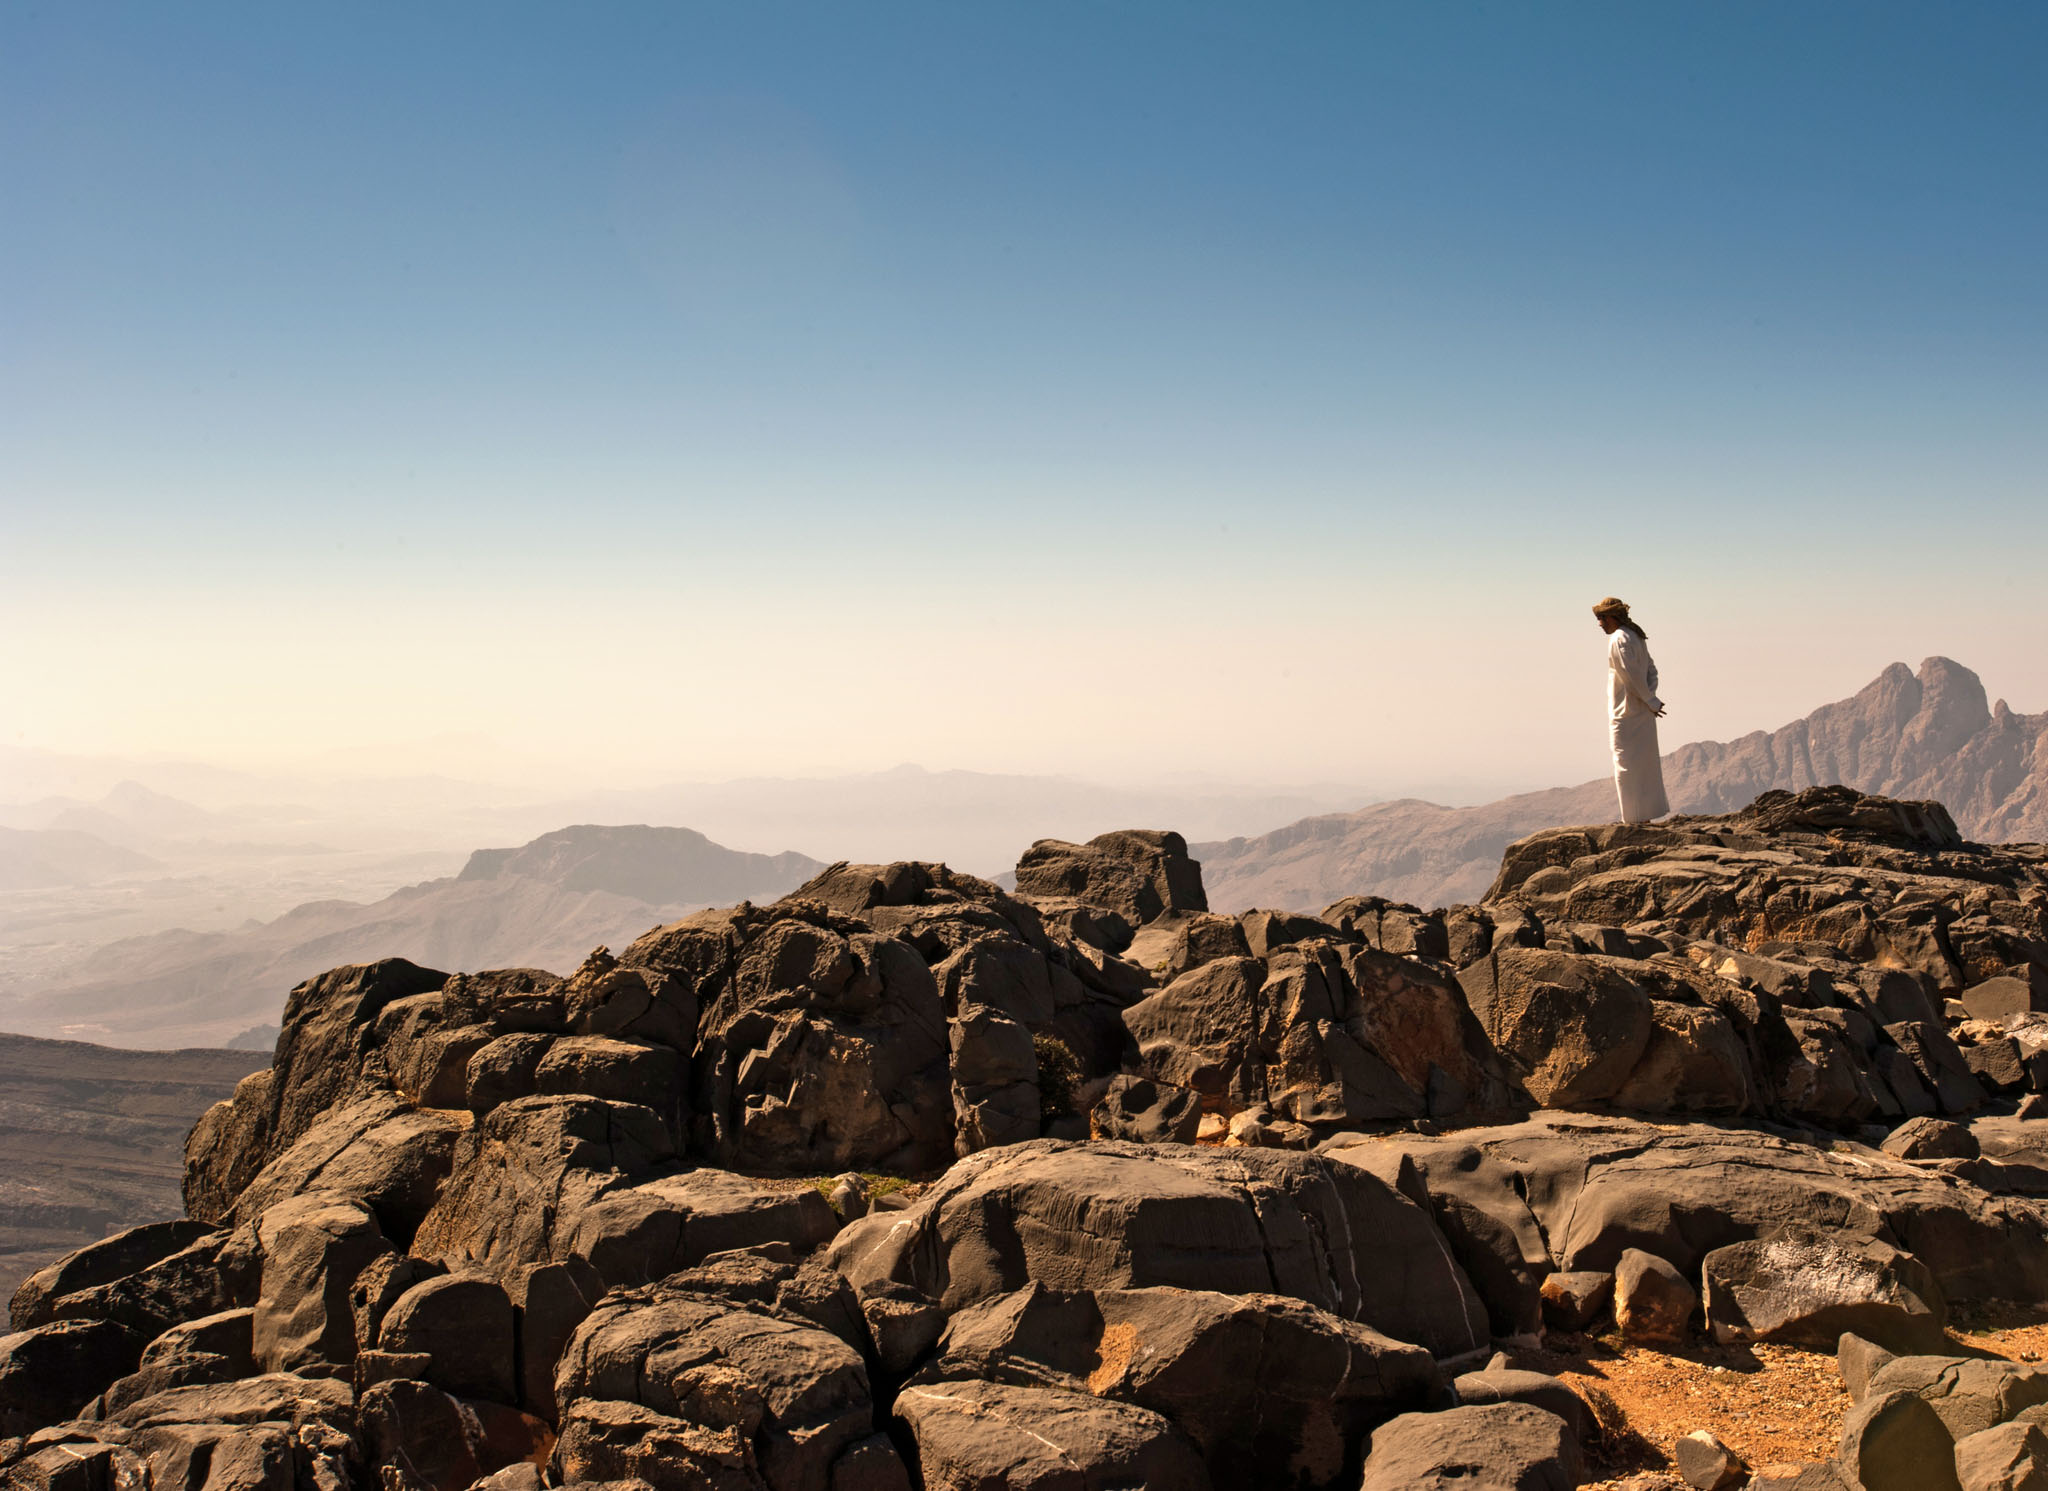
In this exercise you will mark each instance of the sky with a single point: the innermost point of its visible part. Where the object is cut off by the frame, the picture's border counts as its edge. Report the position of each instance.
(1137, 391)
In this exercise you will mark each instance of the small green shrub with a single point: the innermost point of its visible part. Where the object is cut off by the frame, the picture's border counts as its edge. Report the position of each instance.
(1058, 1076)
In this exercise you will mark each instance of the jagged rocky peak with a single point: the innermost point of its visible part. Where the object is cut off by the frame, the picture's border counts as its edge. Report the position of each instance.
(1925, 735)
(1192, 1199)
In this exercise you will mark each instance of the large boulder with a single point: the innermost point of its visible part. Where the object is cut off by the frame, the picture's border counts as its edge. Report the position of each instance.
(52, 1371)
(1109, 1215)
(314, 1248)
(555, 1179)
(1141, 874)
(328, 1035)
(1271, 1390)
(1484, 1447)
(977, 1436)
(1324, 1033)
(824, 1047)
(1809, 1288)
(463, 1325)
(1571, 1028)
(731, 1383)
(378, 1151)
(148, 1279)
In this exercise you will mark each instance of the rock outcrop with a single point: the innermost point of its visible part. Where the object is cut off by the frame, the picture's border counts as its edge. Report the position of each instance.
(1737, 1076)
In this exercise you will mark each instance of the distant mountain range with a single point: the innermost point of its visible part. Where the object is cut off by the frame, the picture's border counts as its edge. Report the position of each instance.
(545, 905)
(1926, 735)
(42, 858)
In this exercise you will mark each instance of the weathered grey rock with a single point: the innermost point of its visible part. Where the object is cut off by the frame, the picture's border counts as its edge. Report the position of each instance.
(213, 1272)
(1576, 1300)
(463, 1324)
(1593, 1186)
(1141, 874)
(1271, 1390)
(1894, 1441)
(1391, 926)
(1202, 938)
(2006, 1457)
(974, 1436)
(1693, 1063)
(50, 1372)
(1487, 1447)
(506, 1000)
(623, 1070)
(229, 1335)
(655, 1227)
(1809, 1288)
(1968, 1394)
(375, 1151)
(1856, 1359)
(733, 1385)
(549, 1300)
(503, 1068)
(1493, 1235)
(994, 1078)
(1146, 1112)
(523, 1177)
(1706, 1463)
(1324, 1033)
(633, 1003)
(421, 1436)
(213, 1349)
(1198, 1030)
(1503, 1384)
(39, 1299)
(823, 1049)
(1266, 932)
(1571, 1028)
(904, 1323)
(327, 1034)
(267, 1433)
(1653, 1302)
(1113, 1216)
(2000, 998)
(1931, 1139)
(313, 1249)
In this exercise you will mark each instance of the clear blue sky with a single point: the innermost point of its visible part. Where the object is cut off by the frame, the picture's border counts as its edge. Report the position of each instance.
(1263, 390)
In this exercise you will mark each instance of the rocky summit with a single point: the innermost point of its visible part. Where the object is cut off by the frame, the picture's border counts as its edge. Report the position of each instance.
(907, 1181)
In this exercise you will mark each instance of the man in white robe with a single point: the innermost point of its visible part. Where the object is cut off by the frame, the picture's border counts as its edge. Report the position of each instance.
(1632, 711)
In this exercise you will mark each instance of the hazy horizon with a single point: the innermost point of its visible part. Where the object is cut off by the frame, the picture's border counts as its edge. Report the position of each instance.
(1155, 393)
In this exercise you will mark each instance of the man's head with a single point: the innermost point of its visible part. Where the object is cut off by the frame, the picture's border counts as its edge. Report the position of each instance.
(1611, 614)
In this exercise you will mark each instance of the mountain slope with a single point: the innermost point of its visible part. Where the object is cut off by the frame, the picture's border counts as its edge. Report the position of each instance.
(1930, 734)
(543, 905)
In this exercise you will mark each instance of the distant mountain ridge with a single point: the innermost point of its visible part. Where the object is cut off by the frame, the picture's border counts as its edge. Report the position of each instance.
(545, 904)
(650, 864)
(1930, 734)
(38, 858)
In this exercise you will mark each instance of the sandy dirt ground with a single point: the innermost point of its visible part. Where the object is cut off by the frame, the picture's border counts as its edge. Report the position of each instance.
(1770, 1404)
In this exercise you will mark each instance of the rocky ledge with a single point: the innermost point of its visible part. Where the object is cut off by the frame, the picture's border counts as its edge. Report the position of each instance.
(1266, 1200)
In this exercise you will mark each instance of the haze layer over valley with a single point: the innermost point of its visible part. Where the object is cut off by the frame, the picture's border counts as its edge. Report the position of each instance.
(106, 958)
(134, 917)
